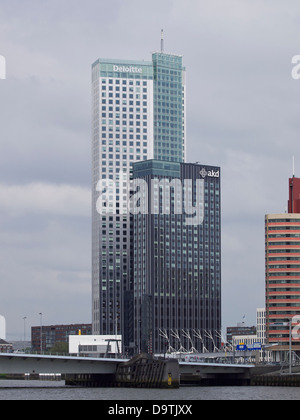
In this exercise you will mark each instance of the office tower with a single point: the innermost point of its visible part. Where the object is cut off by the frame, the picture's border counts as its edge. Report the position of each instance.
(177, 256)
(282, 233)
(122, 134)
(138, 113)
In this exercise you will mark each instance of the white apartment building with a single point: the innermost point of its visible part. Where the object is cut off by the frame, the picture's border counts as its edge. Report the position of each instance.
(138, 113)
(95, 345)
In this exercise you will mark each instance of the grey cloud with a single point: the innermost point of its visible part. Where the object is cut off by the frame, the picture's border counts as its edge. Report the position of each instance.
(242, 107)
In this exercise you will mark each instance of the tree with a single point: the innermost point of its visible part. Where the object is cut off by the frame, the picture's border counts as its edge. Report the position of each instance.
(60, 348)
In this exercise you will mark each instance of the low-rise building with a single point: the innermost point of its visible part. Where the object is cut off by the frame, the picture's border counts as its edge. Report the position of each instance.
(95, 345)
(44, 337)
(5, 347)
(240, 330)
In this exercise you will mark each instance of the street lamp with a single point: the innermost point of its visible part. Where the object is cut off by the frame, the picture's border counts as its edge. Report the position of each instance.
(290, 345)
(41, 333)
(24, 319)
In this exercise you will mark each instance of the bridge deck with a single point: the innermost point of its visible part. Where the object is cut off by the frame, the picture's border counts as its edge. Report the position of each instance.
(11, 363)
(30, 363)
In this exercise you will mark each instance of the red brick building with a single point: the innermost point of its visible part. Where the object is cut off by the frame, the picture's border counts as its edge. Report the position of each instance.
(53, 334)
(282, 239)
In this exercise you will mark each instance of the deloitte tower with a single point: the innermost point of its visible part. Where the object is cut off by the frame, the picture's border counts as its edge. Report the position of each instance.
(138, 115)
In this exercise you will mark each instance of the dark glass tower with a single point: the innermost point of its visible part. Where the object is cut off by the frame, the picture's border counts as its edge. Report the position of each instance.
(176, 255)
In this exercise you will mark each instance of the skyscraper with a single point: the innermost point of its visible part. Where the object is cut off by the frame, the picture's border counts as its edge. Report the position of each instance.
(138, 113)
(177, 256)
(282, 238)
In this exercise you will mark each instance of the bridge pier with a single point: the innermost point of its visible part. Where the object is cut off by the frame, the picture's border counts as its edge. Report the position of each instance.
(142, 371)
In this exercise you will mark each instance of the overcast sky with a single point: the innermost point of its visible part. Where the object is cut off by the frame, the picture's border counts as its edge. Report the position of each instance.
(242, 114)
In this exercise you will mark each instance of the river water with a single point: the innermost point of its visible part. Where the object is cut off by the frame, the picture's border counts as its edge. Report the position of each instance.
(41, 390)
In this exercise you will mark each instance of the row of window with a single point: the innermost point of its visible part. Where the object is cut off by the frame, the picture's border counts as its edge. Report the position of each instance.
(124, 89)
(124, 82)
(283, 228)
(284, 289)
(137, 96)
(284, 235)
(284, 251)
(284, 274)
(284, 266)
(105, 163)
(283, 243)
(283, 259)
(284, 221)
(293, 281)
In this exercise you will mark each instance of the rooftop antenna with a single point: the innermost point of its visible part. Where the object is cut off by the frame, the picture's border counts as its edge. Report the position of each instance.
(293, 166)
(291, 200)
(162, 41)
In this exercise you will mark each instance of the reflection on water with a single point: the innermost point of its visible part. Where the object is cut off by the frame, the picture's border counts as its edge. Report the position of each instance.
(39, 390)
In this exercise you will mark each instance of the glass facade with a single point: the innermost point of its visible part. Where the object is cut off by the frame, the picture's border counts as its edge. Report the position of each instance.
(157, 167)
(169, 107)
(177, 264)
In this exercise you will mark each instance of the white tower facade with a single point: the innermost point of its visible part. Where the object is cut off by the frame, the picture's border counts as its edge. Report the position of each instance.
(2, 328)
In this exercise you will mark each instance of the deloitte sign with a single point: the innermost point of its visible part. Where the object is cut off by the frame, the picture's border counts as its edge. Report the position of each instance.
(128, 69)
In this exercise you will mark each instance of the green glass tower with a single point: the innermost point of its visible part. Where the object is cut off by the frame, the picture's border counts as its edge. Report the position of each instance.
(169, 107)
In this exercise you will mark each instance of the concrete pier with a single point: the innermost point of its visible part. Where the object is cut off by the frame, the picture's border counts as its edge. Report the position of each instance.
(143, 371)
(146, 372)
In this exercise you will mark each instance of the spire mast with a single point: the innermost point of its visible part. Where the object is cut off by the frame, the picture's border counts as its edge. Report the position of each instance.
(162, 41)
(293, 166)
